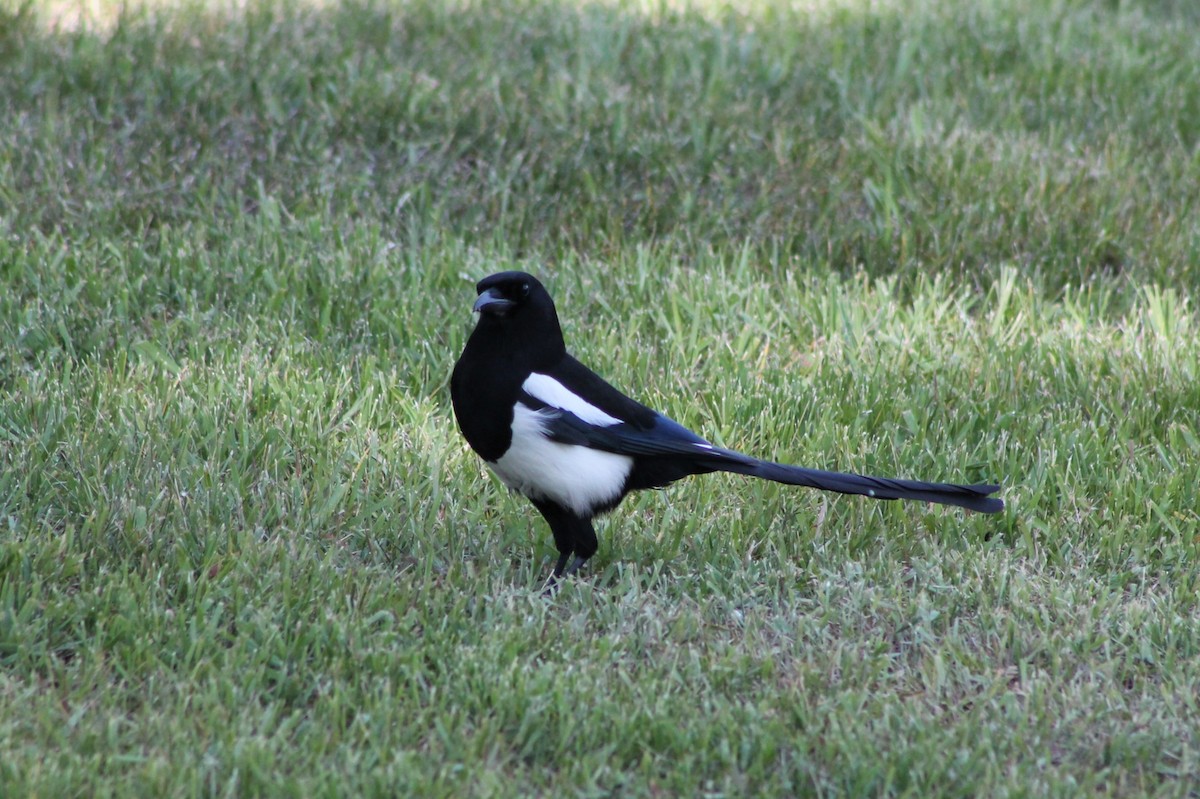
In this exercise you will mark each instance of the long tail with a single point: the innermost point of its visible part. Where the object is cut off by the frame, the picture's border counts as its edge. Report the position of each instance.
(677, 452)
(973, 497)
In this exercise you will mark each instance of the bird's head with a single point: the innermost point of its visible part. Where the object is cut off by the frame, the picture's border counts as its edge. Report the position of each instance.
(514, 306)
(507, 294)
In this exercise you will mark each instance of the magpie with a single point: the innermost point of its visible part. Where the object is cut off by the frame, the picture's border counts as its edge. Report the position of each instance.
(554, 431)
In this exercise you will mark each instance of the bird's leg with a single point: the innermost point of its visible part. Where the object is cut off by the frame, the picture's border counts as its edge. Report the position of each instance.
(575, 566)
(560, 521)
(561, 572)
(556, 575)
(573, 535)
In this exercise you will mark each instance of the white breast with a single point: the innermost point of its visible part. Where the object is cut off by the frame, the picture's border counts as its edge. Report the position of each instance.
(570, 475)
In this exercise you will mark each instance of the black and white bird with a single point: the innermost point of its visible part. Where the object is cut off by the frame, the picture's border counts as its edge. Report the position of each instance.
(554, 431)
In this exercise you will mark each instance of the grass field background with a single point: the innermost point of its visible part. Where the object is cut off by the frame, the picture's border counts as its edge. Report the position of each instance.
(243, 550)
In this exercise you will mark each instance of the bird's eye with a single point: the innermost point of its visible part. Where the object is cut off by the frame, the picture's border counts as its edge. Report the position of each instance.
(524, 289)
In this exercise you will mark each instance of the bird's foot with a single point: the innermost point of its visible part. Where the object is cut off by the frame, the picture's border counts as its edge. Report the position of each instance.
(561, 570)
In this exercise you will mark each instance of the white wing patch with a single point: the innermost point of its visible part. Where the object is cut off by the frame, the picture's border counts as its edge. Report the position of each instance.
(573, 476)
(555, 394)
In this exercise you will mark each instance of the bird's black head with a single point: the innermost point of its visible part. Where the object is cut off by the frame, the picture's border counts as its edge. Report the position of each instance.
(508, 293)
(514, 307)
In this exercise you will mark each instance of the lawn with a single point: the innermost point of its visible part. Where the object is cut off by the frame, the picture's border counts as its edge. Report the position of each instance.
(245, 552)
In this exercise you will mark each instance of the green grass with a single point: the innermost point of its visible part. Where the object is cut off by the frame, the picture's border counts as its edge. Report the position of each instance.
(243, 550)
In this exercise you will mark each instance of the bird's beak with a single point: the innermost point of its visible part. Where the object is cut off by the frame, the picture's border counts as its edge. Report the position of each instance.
(491, 301)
